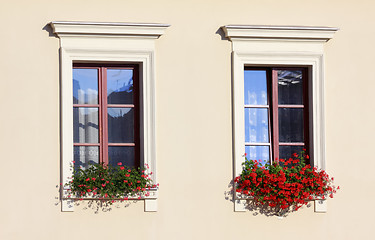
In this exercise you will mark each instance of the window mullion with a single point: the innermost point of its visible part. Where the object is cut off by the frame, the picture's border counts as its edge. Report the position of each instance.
(275, 115)
(104, 128)
(100, 90)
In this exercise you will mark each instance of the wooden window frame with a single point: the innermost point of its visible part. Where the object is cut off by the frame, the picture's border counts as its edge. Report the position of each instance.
(273, 108)
(103, 106)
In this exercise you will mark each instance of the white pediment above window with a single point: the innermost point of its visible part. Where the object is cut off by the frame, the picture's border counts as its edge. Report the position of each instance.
(139, 30)
(257, 32)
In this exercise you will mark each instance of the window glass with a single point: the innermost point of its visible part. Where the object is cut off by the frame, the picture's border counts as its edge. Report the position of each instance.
(85, 86)
(120, 86)
(255, 87)
(256, 125)
(105, 108)
(274, 112)
(290, 87)
(291, 125)
(120, 125)
(85, 155)
(86, 125)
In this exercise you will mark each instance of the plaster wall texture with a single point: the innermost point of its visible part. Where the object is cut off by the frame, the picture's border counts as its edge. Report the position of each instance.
(194, 126)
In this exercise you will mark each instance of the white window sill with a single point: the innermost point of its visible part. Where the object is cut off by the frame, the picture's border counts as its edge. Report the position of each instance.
(150, 200)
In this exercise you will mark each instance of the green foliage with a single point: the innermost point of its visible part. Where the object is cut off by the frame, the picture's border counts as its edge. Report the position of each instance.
(284, 183)
(109, 182)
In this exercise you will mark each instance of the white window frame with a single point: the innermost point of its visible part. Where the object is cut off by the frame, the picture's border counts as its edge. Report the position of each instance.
(111, 43)
(254, 45)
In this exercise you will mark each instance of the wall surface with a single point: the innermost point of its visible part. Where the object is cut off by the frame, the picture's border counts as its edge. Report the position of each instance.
(194, 125)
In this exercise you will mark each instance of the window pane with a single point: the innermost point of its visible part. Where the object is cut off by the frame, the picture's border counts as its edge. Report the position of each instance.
(125, 155)
(256, 125)
(255, 87)
(120, 86)
(291, 125)
(85, 125)
(85, 86)
(261, 153)
(85, 155)
(290, 87)
(120, 125)
(285, 152)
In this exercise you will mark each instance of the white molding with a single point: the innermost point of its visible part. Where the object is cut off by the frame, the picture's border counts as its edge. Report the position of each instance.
(96, 29)
(320, 206)
(275, 46)
(108, 42)
(237, 32)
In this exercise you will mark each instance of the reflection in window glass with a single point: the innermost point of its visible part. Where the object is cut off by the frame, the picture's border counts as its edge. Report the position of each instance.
(120, 86)
(83, 156)
(259, 153)
(290, 87)
(256, 125)
(287, 151)
(85, 125)
(85, 86)
(291, 125)
(120, 125)
(255, 87)
(125, 155)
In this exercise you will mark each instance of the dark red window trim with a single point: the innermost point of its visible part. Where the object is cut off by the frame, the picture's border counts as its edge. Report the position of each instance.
(103, 105)
(273, 105)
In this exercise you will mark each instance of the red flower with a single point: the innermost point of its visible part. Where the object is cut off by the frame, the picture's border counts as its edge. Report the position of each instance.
(119, 163)
(122, 168)
(285, 187)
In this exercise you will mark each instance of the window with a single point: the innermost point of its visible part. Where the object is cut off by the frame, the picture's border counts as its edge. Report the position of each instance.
(273, 52)
(276, 112)
(117, 48)
(106, 115)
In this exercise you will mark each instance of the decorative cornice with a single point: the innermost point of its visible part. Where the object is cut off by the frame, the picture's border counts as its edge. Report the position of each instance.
(253, 32)
(143, 30)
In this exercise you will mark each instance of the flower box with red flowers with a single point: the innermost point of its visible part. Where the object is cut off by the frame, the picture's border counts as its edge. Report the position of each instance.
(283, 184)
(112, 183)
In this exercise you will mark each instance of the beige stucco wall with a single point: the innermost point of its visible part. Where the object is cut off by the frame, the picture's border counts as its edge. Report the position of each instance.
(194, 131)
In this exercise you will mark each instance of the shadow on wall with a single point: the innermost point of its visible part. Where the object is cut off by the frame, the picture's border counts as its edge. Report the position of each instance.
(49, 29)
(221, 33)
(96, 205)
(257, 208)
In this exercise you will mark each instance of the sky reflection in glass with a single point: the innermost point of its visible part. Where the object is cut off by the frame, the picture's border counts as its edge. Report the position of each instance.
(261, 153)
(85, 86)
(255, 87)
(120, 86)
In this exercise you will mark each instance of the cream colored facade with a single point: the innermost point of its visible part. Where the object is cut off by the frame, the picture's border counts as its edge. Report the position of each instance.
(193, 115)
